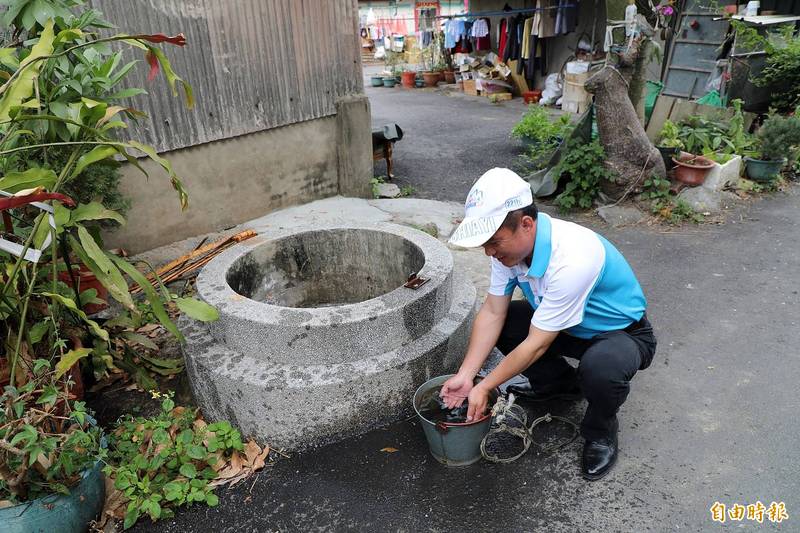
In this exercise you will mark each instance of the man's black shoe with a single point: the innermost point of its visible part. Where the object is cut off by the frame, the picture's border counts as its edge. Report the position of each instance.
(563, 391)
(599, 456)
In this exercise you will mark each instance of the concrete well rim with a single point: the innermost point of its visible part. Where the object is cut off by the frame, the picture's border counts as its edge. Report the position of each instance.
(437, 266)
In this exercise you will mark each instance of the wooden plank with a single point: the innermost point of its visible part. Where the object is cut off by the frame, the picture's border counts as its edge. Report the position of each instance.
(519, 82)
(661, 112)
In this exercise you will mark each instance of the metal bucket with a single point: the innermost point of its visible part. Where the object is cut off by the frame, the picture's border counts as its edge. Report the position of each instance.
(452, 444)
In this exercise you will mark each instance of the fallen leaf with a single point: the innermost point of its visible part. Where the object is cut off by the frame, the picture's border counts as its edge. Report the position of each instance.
(6, 503)
(251, 451)
(199, 424)
(237, 463)
(260, 461)
(389, 449)
(147, 328)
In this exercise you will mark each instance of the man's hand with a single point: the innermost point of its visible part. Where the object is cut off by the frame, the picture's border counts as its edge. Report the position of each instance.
(478, 401)
(455, 390)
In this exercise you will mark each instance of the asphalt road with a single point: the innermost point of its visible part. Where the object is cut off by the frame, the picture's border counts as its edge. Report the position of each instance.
(714, 419)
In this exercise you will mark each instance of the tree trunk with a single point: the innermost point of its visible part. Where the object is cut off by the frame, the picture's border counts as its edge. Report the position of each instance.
(630, 155)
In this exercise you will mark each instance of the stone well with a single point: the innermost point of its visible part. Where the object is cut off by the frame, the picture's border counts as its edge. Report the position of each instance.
(318, 339)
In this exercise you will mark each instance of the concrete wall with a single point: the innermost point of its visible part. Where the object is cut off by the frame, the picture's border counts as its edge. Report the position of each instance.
(234, 180)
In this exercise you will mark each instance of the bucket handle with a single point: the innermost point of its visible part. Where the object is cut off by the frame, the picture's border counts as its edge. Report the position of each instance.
(441, 427)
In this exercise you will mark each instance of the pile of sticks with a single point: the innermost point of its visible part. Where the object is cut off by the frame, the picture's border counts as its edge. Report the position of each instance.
(187, 264)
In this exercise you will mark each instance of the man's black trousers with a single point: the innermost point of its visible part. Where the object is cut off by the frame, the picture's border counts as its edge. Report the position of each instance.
(607, 364)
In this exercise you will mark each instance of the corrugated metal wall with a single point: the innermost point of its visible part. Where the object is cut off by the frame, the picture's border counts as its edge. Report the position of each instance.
(253, 64)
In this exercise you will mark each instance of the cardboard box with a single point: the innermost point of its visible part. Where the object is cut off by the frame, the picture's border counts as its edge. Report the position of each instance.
(499, 97)
(469, 88)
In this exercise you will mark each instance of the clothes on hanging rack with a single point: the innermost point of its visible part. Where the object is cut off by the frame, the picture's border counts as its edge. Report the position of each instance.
(482, 35)
(480, 28)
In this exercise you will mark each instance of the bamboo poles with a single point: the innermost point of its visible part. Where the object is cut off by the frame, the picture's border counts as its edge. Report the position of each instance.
(193, 260)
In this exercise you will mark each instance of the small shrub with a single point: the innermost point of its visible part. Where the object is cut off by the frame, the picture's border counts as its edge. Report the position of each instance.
(536, 126)
(778, 137)
(582, 165)
(669, 136)
(782, 72)
(674, 211)
(48, 440)
(168, 460)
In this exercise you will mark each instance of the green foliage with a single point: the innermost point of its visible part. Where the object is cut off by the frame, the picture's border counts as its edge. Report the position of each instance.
(669, 136)
(407, 190)
(778, 137)
(536, 126)
(656, 190)
(708, 136)
(375, 181)
(98, 182)
(582, 166)
(48, 439)
(167, 461)
(59, 126)
(781, 72)
(541, 136)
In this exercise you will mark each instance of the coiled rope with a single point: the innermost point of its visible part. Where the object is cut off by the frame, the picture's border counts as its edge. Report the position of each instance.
(505, 409)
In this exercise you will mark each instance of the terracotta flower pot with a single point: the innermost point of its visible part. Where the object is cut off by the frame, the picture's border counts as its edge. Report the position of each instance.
(449, 76)
(692, 169)
(431, 78)
(407, 79)
(86, 280)
(531, 97)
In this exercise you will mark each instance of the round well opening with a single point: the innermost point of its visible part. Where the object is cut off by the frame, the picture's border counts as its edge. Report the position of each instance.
(325, 268)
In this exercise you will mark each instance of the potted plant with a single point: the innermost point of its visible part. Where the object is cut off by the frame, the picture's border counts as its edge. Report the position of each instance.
(777, 138)
(51, 455)
(407, 78)
(668, 143)
(691, 169)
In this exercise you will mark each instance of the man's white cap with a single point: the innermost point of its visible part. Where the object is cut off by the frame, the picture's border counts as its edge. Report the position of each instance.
(497, 192)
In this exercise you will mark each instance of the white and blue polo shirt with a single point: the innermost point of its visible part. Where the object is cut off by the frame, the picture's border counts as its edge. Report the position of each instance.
(577, 281)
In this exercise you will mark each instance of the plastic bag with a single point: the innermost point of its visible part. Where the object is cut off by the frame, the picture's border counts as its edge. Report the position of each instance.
(552, 89)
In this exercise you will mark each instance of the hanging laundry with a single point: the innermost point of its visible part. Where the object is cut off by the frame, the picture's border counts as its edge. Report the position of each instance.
(547, 26)
(483, 42)
(502, 38)
(480, 28)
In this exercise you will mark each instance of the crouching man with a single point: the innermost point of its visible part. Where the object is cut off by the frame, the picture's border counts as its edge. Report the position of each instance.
(583, 302)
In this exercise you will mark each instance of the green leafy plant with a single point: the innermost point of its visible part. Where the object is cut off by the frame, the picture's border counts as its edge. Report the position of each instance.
(47, 440)
(778, 138)
(541, 135)
(781, 72)
(662, 203)
(582, 166)
(58, 120)
(407, 190)
(536, 125)
(669, 136)
(375, 181)
(168, 460)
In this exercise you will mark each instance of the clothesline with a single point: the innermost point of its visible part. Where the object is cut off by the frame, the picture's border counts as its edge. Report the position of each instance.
(482, 14)
(489, 13)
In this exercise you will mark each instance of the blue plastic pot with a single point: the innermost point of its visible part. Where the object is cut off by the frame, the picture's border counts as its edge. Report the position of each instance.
(376, 81)
(761, 170)
(389, 82)
(59, 512)
(452, 444)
